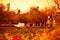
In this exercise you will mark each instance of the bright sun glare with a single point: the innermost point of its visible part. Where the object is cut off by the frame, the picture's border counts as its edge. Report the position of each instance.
(24, 5)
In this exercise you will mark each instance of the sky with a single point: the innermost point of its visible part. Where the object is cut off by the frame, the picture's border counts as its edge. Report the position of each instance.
(24, 5)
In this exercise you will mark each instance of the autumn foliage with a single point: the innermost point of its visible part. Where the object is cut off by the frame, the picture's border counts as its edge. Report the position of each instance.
(34, 15)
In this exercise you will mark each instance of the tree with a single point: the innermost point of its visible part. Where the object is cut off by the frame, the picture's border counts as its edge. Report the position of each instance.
(22, 18)
(13, 17)
(34, 16)
(2, 7)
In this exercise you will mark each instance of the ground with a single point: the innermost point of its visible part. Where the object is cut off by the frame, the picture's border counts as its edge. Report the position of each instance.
(37, 33)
